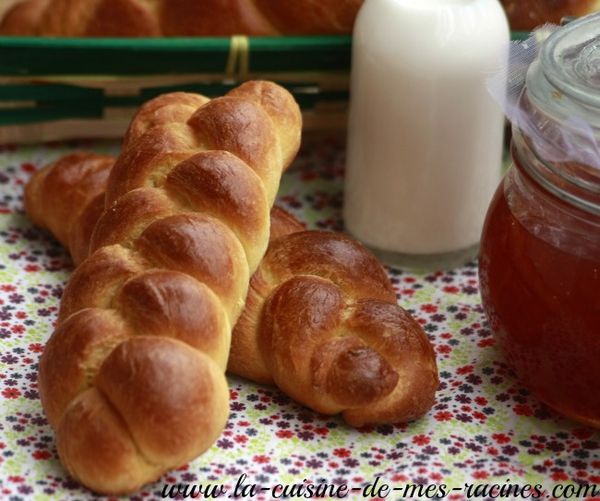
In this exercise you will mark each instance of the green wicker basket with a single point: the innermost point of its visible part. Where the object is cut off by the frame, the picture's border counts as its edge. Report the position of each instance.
(56, 88)
(62, 88)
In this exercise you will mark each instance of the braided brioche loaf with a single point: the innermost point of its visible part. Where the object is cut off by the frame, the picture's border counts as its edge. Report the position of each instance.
(320, 321)
(132, 380)
(151, 18)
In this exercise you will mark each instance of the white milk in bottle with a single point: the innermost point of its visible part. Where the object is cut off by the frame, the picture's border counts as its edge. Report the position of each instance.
(425, 136)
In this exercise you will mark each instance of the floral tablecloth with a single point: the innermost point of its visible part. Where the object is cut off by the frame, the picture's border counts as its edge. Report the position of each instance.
(484, 428)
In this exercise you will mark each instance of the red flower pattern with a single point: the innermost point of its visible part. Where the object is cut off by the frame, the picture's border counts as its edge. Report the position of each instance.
(470, 433)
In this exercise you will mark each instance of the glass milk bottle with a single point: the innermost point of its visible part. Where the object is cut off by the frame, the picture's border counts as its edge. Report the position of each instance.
(425, 136)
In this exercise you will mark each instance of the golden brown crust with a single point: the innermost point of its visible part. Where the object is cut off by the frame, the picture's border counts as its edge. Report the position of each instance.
(122, 18)
(283, 223)
(528, 14)
(202, 247)
(81, 18)
(148, 18)
(175, 107)
(310, 17)
(255, 140)
(81, 232)
(50, 200)
(23, 18)
(75, 347)
(220, 184)
(126, 219)
(149, 158)
(160, 387)
(392, 332)
(145, 322)
(213, 18)
(335, 257)
(161, 303)
(353, 372)
(95, 281)
(66, 18)
(92, 423)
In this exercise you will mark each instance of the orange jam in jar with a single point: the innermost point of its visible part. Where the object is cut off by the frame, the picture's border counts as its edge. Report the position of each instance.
(540, 253)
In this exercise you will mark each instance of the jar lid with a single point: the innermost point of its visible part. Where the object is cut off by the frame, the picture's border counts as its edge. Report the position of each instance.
(565, 81)
(571, 60)
(560, 110)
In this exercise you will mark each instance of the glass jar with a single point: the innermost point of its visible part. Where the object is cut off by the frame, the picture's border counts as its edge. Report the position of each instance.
(540, 254)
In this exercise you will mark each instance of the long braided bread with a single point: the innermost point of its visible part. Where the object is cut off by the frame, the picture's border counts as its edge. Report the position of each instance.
(132, 380)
